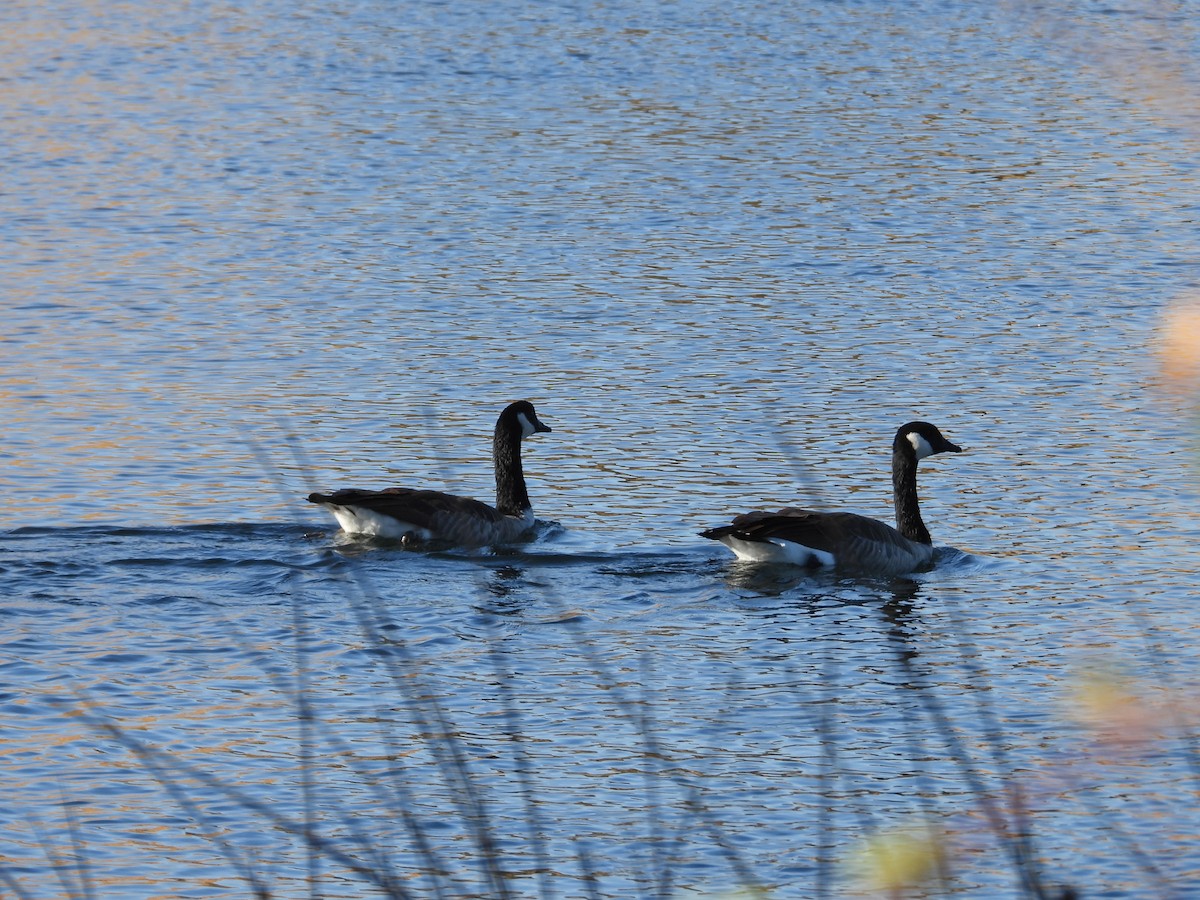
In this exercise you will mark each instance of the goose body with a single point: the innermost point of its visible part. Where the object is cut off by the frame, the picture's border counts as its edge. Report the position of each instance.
(846, 540)
(415, 515)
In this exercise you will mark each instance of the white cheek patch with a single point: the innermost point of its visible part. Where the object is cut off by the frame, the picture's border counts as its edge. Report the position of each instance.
(919, 443)
(526, 426)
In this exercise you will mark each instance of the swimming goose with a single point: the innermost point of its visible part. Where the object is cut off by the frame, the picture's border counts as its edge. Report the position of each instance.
(846, 540)
(416, 515)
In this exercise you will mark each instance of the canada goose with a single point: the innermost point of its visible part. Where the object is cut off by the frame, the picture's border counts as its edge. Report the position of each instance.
(809, 538)
(416, 515)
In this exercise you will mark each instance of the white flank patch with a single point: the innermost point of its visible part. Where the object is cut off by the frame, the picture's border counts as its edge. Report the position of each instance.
(777, 550)
(356, 520)
(919, 443)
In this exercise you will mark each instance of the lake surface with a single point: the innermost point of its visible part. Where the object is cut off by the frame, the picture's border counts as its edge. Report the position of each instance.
(260, 249)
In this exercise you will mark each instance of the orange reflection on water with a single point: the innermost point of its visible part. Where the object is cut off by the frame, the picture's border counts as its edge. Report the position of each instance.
(1179, 345)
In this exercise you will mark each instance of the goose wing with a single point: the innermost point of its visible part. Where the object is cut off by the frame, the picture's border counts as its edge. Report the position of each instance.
(447, 517)
(856, 542)
(424, 509)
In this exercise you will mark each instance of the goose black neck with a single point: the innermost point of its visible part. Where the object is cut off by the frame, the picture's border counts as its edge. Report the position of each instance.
(512, 498)
(904, 486)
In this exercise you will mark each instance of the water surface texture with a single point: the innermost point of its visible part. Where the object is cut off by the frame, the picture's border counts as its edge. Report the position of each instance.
(259, 249)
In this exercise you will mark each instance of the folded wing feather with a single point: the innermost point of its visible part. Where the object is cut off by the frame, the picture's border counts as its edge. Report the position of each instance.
(857, 542)
(449, 517)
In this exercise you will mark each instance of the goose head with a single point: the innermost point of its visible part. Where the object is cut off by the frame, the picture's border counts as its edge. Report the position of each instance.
(920, 439)
(520, 419)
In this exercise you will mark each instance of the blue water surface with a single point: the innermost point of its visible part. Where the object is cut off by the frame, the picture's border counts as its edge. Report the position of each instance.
(261, 249)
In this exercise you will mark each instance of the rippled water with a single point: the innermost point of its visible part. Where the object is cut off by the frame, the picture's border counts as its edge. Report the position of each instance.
(257, 250)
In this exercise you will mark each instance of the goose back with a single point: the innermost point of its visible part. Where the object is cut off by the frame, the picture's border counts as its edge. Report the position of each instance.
(420, 515)
(818, 539)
